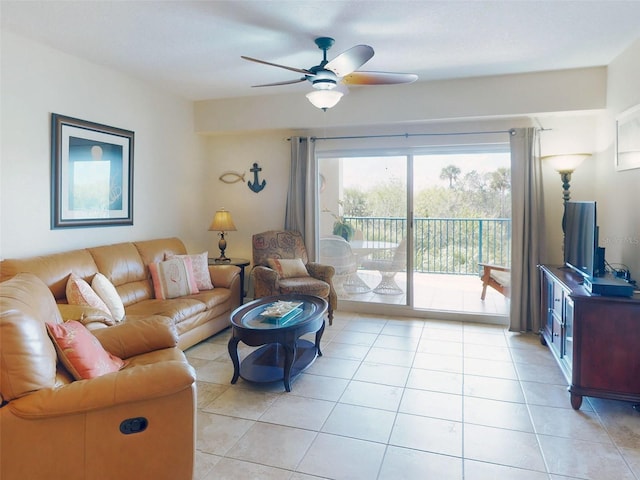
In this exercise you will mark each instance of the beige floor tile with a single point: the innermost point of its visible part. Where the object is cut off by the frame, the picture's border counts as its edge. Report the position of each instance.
(438, 333)
(427, 434)
(493, 388)
(474, 470)
(273, 445)
(532, 372)
(342, 458)
(495, 413)
(632, 457)
(562, 422)
(577, 458)
(231, 469)
(299, 412)
(213, 371)
(208, 392)
(404, 329)
(401, 358)
(242, 403)
(334, 367)
(204, 462)
(549, 395)
(208, 351)
(477, 337)
(503, 447)
(404, 463)
(489, 368)
(366, 325)
(445, 382)
(217, 434)
(432, 404)
(444, 363)
(360, 422)
(487, 352)
(374, 395)
(345, 351)
(318, 386)
(440, 347)
(383, 374)
(620, 420)
(355, 338)
(397, 343)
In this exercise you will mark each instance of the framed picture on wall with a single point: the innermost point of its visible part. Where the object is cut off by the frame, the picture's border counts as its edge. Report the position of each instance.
(91, 174)
(628, 139)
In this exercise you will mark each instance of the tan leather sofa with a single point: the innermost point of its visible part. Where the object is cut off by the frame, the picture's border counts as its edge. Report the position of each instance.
(195, 317)
(135, 423)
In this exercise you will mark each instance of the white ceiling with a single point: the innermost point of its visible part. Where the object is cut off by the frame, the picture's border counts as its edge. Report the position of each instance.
(193, 48)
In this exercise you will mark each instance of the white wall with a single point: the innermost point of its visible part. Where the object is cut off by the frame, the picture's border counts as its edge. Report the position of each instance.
(168, 158)
(617, 192)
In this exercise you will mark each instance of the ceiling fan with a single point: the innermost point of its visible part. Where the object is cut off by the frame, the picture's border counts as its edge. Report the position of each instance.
(342, 69)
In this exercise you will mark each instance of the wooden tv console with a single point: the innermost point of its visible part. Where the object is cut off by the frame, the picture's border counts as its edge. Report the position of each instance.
(595, 339)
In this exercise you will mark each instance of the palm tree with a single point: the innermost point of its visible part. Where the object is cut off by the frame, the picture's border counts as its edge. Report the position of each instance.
(451, 173)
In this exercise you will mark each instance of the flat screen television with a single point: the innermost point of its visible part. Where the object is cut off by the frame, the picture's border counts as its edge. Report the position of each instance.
(581, 252)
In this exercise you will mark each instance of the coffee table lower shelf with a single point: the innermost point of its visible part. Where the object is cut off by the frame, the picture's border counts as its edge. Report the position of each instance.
(267, 363)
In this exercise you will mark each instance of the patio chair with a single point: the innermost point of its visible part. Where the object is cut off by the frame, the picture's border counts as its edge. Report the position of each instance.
(336, 251)
(388, 269)
(281, 266)
(497, 277)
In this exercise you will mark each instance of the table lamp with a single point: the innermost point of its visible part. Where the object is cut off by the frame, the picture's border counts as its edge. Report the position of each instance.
(222, 222)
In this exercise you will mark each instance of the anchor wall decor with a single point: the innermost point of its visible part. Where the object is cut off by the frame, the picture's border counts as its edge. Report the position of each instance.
(256, 186)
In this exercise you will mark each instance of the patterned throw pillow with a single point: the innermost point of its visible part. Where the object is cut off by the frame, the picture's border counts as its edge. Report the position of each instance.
(173, 278)
(109, 295)
(288, 268)
(79, 292)
(81, 352)
(200, 266)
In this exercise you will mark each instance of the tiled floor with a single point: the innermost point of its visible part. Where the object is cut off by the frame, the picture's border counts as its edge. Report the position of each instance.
(410, 399)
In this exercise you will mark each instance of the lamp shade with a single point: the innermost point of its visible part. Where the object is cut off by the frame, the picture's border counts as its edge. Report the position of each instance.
(324, 98)
(222, 222)
(566, 163)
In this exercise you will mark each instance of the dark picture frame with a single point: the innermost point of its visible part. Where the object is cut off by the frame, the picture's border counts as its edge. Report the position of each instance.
(91, 174)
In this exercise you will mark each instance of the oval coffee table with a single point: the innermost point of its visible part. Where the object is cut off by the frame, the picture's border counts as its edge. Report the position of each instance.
(282, 354)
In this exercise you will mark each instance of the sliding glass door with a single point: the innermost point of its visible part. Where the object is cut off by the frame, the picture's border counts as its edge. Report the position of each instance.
(412, 229)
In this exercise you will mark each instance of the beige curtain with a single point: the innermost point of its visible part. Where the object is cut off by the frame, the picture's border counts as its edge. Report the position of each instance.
(303, 192)
(527, 230)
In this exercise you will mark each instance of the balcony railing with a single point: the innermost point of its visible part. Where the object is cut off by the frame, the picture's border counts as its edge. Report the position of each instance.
(444, 245)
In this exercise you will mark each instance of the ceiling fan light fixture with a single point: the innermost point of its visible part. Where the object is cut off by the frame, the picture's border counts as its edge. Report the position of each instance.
(324, 99)
(324, 84)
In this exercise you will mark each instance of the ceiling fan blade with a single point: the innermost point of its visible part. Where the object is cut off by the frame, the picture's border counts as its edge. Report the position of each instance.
(378, 78)
(293, 69)
(287, 82)
(351, 60)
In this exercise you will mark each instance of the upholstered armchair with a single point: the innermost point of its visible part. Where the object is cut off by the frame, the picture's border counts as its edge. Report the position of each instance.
(281, 266)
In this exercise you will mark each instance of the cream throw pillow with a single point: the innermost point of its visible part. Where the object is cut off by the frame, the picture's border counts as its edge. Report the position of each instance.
(288, 268)
(109, 295)
(79, 292)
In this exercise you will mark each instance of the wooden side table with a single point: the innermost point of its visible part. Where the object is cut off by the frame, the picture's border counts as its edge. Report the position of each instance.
(238, 262)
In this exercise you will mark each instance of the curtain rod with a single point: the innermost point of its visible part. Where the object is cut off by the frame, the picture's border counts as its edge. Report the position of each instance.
(511, 131)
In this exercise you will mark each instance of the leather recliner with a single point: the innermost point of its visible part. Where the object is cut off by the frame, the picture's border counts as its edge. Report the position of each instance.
(136, 423)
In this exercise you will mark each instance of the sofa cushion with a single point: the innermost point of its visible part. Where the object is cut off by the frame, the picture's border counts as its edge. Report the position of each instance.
(288, 268)
(200, 266)
(79, 292)
(177, 309)
(173, 278)
(27, 356)
(81, 352)
(109, 295)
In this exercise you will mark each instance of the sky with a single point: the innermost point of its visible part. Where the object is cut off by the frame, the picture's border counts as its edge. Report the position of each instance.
(365, 172)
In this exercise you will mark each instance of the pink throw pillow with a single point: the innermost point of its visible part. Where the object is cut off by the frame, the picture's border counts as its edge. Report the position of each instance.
(200, 266)
(81, 352)
(288, 268)
(173, 278)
